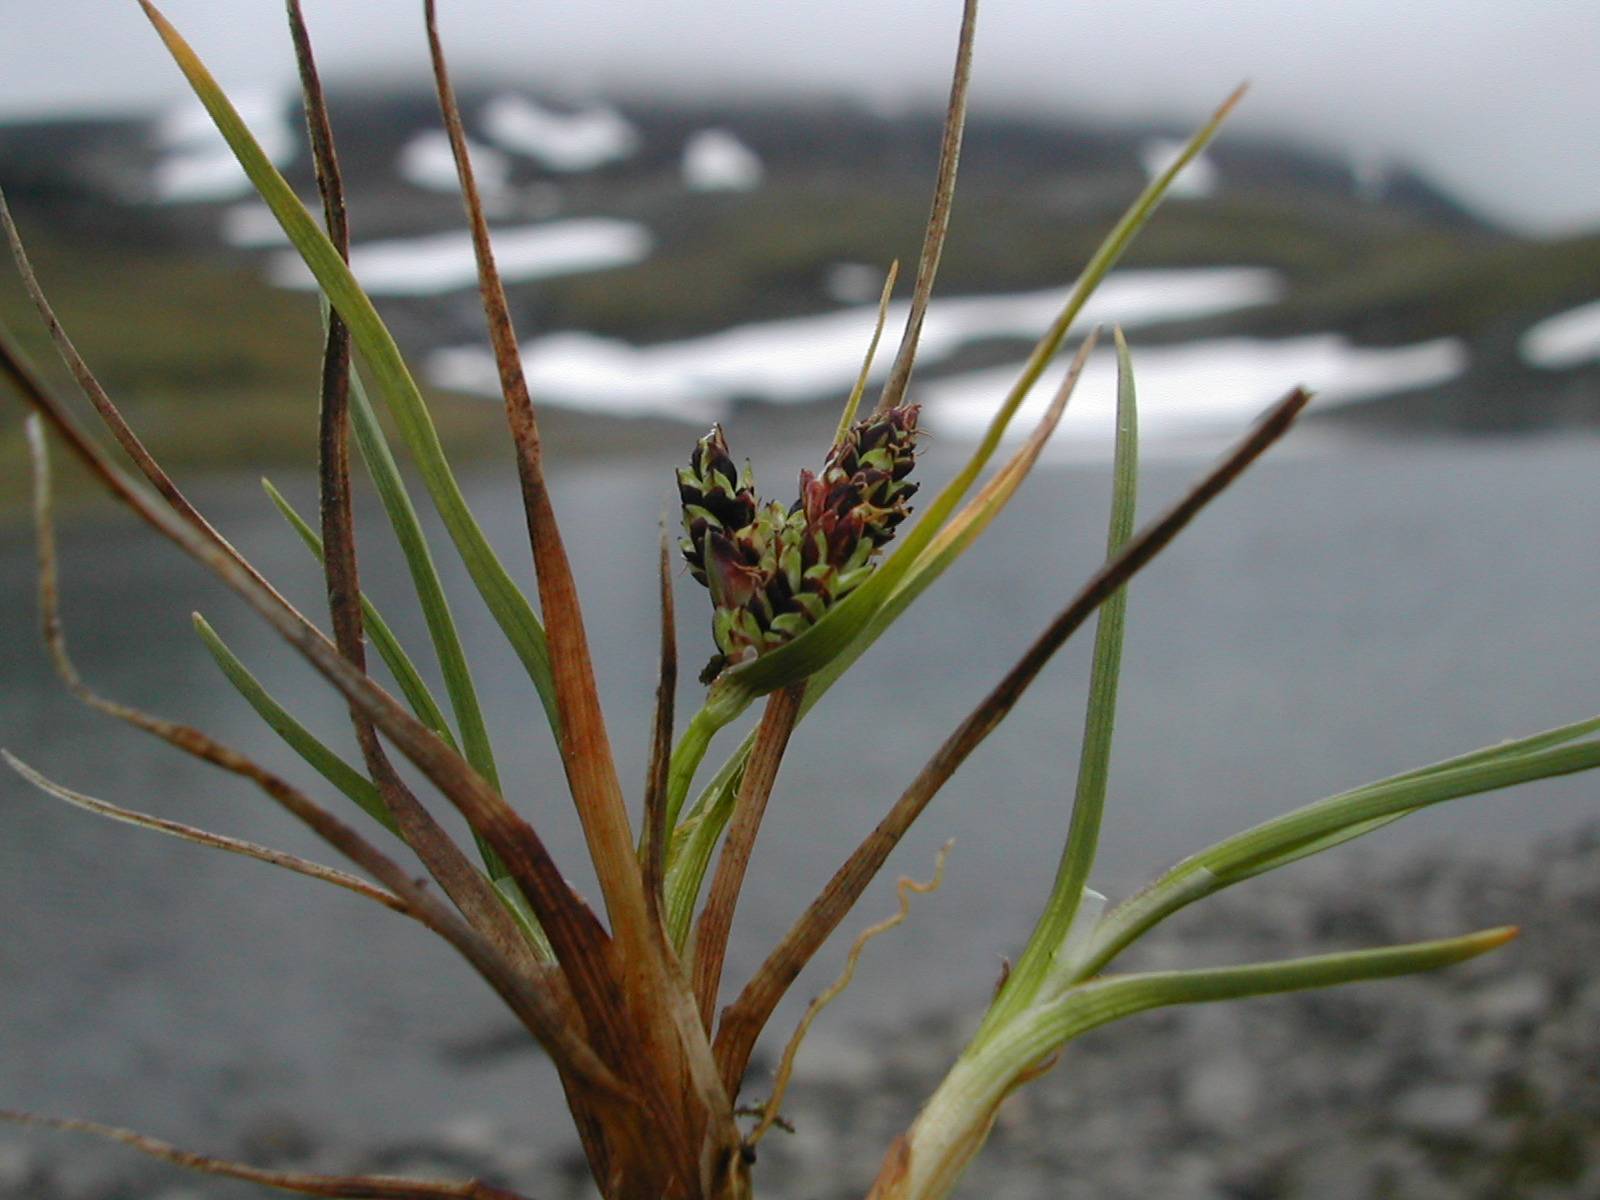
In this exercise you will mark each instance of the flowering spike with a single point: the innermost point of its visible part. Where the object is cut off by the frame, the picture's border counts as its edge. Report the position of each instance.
(773, 572)
(712, 500)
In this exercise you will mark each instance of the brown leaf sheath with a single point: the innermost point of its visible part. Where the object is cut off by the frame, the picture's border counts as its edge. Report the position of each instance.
(640, 1030)
(585, 747)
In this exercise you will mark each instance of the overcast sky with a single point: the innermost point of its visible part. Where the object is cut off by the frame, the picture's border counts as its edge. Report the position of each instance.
(1497, 101)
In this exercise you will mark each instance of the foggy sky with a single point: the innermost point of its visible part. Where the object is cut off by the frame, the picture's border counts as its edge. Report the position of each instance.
(1495, 101)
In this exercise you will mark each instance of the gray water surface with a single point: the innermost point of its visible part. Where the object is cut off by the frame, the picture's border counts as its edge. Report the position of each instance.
(1345, 612)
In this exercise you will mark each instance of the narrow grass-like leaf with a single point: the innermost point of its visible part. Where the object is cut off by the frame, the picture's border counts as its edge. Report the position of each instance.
(955, 1122)
(412, 686)
(341, 576)
(695, 840)
(584, 743)
(653, 850)
(944, 192)
(343, 1187)
(431, 598)
(204, 837)
(1093, 1004)
(1335, 820)
(296, 736)
(1540, 741)
(1094, 760)
(750, 803)
(853, 403)
(1240, 855)
(501, 595)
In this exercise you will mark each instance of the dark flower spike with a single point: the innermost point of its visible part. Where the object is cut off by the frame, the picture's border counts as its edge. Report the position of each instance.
(716, 497)
(773, 573)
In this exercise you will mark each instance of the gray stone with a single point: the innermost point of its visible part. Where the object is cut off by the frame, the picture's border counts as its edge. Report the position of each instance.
(827, 1058)
(17, 1164)
(1515, 1000)
(1442, 1110)
(1221, 1093)
(472, 1134)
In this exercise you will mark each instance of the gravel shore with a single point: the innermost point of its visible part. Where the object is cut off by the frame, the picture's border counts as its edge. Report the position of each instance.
(1482, 1081)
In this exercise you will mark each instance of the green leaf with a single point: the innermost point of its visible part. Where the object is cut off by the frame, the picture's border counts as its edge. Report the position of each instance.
(1341, 818)
(431, 598)
(522, 912)
(299, 739)
(853, 403)
(1100, 1002)
(1094, 761)
(503, 598)
(410, 681)
(1092, 1004)
(958, 1117)
(696, 839)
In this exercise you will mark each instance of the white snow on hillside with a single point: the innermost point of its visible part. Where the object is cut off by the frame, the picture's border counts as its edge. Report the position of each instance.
(1207, 387)
(805, 358)
(196, 164)
(1196, 181)
(714, 160)
(426, 162)
(251, 226)
(1567, 339)
(566, 142)
(444, 262)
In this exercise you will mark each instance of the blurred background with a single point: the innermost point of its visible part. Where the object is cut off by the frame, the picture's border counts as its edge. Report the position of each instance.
(695, 206)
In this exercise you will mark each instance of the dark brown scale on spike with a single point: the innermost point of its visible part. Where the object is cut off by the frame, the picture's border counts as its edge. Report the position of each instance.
(716, 497)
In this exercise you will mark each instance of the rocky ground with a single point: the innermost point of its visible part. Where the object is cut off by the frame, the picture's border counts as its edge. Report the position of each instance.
(1478, 1082)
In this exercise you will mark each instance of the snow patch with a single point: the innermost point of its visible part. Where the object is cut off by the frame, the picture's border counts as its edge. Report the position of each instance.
(1195, 182)
(565, 142)
(1194, 389)
(444, 262)
(426, 162)
(196, 164)
(716, 161)
(806, 358)
(1567, 339)
(251, 226)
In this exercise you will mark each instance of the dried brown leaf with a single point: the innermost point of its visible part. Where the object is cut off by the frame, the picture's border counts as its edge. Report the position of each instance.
(342, 1187)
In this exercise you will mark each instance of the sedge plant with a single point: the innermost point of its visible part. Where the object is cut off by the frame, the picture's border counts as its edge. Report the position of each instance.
(626, 995)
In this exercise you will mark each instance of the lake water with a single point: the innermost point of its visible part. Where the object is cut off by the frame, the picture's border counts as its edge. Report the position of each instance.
(1348, 610)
